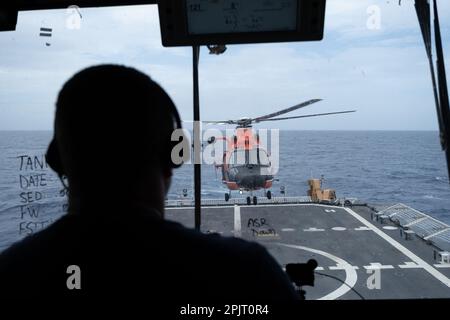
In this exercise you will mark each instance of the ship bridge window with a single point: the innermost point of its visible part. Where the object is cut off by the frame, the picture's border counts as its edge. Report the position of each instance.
(375, 156)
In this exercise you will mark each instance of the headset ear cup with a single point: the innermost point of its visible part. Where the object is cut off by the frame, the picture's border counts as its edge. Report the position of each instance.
(53, 158)
(184, 153)
(164, 100)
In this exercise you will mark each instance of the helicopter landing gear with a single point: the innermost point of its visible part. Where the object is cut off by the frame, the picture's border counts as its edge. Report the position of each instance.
(269, 194)
(227, 196)
(255, 200)
(249, 201)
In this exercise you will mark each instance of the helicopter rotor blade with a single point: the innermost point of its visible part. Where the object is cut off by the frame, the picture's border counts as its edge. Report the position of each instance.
(308, 115)
(222, 122)
(270, 116)
(283, 111)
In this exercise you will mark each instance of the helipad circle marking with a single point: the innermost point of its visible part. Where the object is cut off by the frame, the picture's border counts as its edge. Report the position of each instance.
(350, 273)
(390, 228)
(339, 229)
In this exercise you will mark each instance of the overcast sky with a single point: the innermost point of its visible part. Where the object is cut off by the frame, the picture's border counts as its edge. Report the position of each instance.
(382, 72)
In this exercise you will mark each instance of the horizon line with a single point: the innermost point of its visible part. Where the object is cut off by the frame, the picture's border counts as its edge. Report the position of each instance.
(342, 130)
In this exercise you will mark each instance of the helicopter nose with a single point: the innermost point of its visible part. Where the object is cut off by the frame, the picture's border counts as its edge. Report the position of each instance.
(251, 181)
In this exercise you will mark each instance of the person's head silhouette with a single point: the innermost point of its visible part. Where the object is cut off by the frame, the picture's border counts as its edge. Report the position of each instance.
(112, 138)
(113, 130)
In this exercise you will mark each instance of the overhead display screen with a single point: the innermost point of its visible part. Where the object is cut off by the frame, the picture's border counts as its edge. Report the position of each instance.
(206, 22)
(241, 16)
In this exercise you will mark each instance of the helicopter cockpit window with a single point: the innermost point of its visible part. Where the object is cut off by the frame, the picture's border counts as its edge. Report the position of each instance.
(258, 156)
(238, 157)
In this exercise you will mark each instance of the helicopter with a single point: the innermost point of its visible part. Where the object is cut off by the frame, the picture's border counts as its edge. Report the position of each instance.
(246, 165)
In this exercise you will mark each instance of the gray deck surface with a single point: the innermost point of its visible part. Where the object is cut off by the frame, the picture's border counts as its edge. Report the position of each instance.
(345, 241)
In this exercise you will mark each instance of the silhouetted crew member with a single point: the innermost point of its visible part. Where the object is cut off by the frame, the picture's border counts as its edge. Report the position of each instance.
(112, 141)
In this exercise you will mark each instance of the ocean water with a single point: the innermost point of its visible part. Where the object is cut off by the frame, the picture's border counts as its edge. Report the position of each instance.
(378, 167)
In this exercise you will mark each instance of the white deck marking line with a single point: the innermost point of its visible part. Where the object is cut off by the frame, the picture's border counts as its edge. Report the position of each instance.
(313, 230)
(319, 269)
(435, 273)
(287, 229)
(294, 205)
(338, 209)
(409, 265)
(390, 228)
(237, 221)
(350, 274)
(341, 267)
(363, 228)
(338, 228)
(377, 265)
(330, 210)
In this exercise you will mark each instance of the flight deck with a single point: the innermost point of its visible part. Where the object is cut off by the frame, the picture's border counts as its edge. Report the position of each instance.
(391, 252)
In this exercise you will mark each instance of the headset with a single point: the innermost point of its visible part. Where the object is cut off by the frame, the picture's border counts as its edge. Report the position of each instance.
(53, 157)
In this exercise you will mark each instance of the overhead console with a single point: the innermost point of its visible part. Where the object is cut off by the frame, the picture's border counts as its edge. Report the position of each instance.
(206, 22)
